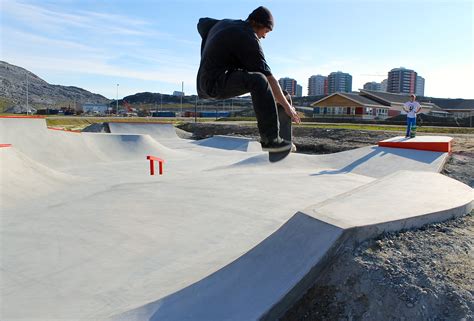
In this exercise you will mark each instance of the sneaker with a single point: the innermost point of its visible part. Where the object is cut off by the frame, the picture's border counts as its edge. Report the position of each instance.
(293, 148)
(276, 145)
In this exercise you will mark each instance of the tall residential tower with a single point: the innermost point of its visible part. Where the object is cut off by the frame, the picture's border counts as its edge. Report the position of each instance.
(317, 85)
(339, 81)
(401, 81)
(288, 84)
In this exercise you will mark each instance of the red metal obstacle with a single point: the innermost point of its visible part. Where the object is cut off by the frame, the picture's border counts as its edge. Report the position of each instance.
(152, 164)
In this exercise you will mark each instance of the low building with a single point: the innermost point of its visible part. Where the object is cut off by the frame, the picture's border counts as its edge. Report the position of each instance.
(367, 105)
(395, 102)
(95, 108)
(458, 108)
(341, 104)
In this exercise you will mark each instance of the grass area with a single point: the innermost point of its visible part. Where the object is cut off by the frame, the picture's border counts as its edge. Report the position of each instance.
(237, 119)
(395, 128)
(422, 129)
(79, 123)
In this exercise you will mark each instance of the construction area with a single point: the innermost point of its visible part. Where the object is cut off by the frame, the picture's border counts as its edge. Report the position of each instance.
(217, 233)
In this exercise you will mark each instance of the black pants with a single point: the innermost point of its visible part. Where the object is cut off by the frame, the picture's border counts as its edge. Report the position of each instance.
(240, 82)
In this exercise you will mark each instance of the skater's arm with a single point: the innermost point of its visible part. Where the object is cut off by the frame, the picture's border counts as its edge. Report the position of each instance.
(418, 109)
(280, 98)
(405, 107)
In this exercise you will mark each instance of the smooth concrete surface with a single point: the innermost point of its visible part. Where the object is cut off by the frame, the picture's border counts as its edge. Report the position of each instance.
(158, 131)
(88, 234)
(252, 283)
(366, 205)
(231, 143)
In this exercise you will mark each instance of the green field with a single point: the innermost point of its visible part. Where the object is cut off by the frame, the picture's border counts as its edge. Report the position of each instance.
(420, 129)
(78, 123)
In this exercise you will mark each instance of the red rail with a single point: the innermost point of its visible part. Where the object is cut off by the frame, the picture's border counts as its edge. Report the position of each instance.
(152, 160)
(5, 145)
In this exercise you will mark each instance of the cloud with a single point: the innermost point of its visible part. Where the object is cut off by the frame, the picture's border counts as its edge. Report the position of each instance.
(54, 40)
(55, 21)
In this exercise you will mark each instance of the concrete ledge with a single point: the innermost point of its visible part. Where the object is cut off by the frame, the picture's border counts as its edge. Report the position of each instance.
(431, 143)
(230, 143)
(274, 274)
(249, 287)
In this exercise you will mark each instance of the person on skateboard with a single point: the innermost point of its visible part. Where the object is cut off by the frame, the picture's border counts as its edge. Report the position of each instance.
(411, 107)
(233, 64)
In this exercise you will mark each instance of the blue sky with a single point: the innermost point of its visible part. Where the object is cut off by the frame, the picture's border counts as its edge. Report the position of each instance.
(146, 45)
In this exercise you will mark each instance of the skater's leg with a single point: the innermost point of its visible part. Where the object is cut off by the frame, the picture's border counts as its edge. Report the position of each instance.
(409, 122)
(240, 82)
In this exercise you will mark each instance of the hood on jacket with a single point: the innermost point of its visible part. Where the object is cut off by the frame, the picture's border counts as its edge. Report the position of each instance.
(204, 26)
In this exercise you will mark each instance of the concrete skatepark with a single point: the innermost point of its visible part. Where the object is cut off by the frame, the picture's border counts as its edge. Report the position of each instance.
(88, 234)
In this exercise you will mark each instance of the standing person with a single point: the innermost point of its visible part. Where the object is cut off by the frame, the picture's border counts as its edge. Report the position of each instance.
(233, 64)
(411, 107)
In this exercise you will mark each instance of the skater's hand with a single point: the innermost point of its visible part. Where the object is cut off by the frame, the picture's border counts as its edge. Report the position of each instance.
(291, 111)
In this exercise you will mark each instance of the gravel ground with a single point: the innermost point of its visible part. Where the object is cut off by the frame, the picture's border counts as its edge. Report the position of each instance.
(424, 274)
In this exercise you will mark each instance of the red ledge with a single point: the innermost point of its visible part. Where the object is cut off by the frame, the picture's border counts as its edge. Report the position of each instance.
(428, 143)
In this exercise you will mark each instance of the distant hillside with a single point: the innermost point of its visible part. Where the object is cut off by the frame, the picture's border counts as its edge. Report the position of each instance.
(41, 94)
(156, 99)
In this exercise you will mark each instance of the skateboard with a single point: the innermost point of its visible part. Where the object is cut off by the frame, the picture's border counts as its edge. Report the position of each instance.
(285, 132)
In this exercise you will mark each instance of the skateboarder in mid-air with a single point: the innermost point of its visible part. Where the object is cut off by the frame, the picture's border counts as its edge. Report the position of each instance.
(411, 107)
(233, 64)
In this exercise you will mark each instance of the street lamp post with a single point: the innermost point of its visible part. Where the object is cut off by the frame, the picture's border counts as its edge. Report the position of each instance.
(182, 94)
(116, 101)
(195, 110)
(27, 95)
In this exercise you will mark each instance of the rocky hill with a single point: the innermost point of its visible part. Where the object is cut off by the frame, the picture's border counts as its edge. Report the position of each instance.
(41, 95)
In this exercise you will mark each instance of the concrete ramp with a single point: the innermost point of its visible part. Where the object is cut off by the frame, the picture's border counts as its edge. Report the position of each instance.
(18, 171)
(157, 131)
(371, 161)
(231, 143)
(64, 149)
(268, 279)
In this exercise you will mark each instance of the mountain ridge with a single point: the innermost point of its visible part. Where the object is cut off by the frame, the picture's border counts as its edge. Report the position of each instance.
(41, 94)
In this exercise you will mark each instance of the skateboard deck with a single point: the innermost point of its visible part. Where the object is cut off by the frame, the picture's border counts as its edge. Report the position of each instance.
(285, 133)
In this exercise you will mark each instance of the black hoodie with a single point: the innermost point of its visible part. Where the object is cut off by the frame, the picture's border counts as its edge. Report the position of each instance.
(227, 45)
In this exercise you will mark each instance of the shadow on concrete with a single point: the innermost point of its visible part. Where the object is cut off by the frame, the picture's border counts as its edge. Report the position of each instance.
(425, 157)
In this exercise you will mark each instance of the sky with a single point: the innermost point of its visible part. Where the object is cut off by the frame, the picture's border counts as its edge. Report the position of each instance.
(122, 47)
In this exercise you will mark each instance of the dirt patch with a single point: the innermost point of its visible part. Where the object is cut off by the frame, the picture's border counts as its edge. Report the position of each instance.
(423, 274)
